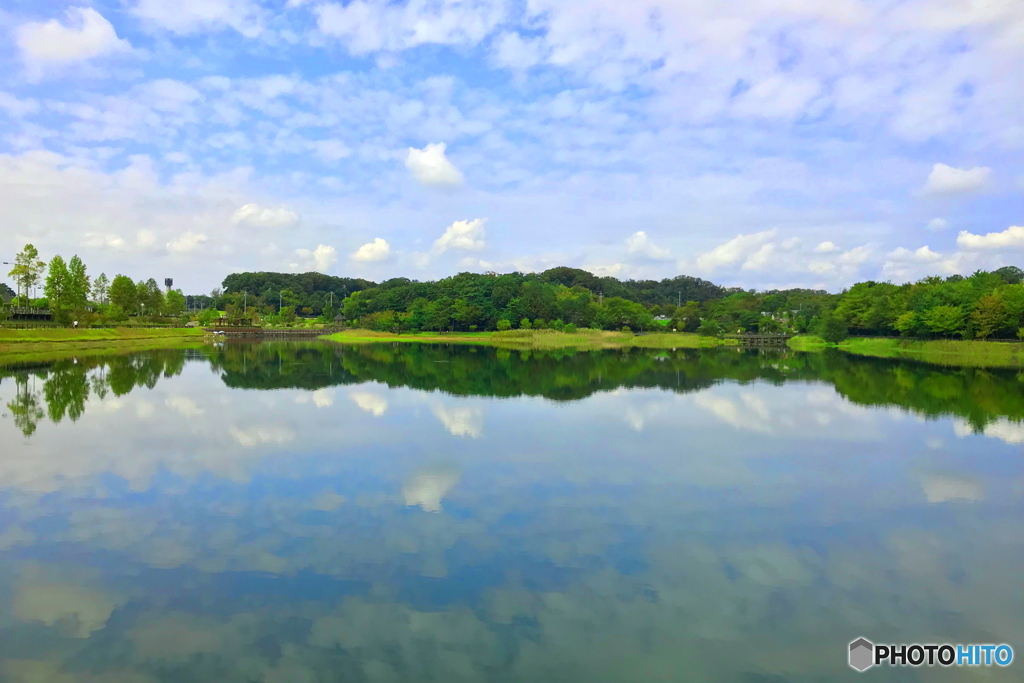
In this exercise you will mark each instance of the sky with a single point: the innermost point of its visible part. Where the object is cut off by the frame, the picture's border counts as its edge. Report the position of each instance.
(755, 143)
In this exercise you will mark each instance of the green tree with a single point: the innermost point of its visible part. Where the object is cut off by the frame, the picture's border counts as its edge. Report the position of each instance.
(57, 288)
(78, 284)
(989, 315)
(944, 320)
(524, 324)
(123, 293)
(150, 297)
(686, 318)
(28, 270)
(907, 323)
(504, 325)
(100, 287)
(832, 328)
(174, 303)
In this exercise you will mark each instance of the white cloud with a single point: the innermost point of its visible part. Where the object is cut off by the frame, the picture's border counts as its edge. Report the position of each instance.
(513, 51)
(1013, 236)
(944, 488)
(761, 259)
(255, 436)
(949, 180)
(374, 404)
(468, 235)
(190, 16)
(1002, 429)
(256, 216)
(428, 489)
(366, 26)
(377, 250)
(923, 255)
(186, 243)
(737, 249)
(184, 406)
(430, 167)
(321, 398)
(639, 244)
(826, 248)
(461, 421)
(938, 224)
(319, 259)
(87, 34)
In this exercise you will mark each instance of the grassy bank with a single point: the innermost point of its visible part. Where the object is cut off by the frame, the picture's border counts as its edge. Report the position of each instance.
(940, 352)
(42, 344)
(534, 339)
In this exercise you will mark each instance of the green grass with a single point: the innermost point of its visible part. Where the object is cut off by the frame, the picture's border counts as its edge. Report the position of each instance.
(533, 339)
(44, 343)
(65, 334)
(948, 352)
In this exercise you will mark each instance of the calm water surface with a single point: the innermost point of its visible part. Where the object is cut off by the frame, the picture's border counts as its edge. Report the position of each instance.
(312, 513)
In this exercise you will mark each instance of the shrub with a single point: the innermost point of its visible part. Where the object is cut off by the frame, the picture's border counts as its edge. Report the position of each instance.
(626, 329)
(570, 328)
(524, 324)
(557, 325)
(504, 325)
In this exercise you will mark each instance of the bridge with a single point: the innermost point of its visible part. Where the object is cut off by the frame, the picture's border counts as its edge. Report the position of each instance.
(761, 339)
(271, 332)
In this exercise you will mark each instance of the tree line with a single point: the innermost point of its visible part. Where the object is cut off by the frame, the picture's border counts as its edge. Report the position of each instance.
(71, 295)
(984, 305)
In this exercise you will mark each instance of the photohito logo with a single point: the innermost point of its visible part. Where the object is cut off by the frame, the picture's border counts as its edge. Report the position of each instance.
(864, 654)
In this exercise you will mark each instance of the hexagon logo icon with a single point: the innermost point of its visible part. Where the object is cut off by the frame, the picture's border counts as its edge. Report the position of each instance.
(862, 654)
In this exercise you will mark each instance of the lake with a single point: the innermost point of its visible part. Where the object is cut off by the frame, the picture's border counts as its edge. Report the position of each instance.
(308, 512)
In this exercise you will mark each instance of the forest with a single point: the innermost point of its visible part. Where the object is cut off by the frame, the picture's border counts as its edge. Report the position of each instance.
(984, 305)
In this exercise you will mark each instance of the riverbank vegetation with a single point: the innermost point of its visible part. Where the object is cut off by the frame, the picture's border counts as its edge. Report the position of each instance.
(60, 385)
(584, 339)
(985, 305)
(950, 352)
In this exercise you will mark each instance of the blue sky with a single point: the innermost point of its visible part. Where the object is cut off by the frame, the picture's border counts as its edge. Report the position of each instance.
(760, 143)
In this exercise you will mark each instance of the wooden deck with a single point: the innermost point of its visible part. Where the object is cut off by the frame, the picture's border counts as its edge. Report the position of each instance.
(271, 333)
(761, 339)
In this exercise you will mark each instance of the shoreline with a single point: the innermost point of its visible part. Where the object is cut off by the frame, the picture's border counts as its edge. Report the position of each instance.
(17, 346)
(536, 339)
(947, 352)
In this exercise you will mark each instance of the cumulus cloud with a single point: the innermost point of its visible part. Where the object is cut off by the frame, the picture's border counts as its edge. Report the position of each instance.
(321, 398)
(639, 244)
(947, 180)
(256, 436)
(87, 34)
(938, 224)
(466, 421)
(431, 168)
(365, 26)
(467, 235)
(737, 249)
(320, 259)
(826, 248)
(186, 243)
(1013, 236)
(377, 250)
(184, 406)
(1002, 429)
(942, 488)
(256, 216)
(374, 404)
(190, 16)
(428, 489)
